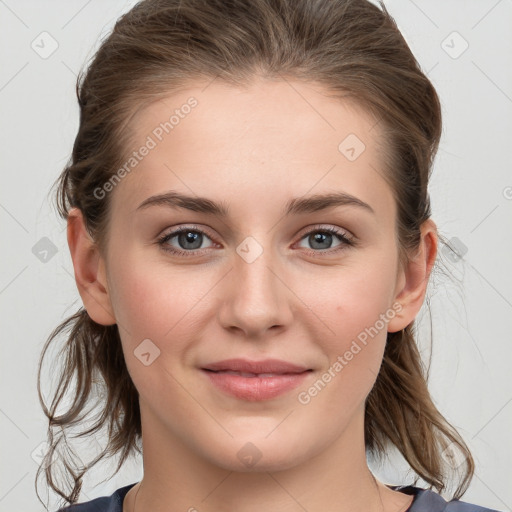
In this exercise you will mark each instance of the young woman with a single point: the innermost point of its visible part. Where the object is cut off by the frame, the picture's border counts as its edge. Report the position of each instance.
(250, 229)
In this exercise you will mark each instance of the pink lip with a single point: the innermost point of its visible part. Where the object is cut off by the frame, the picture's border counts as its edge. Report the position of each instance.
(286, 377)
(265, 366)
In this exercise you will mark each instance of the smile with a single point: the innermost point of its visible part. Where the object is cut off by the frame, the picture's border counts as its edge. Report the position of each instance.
(255, 386)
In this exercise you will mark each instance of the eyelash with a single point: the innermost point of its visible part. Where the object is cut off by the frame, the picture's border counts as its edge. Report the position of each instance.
(162, 241)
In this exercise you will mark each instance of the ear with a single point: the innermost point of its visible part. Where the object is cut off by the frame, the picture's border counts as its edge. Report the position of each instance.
(89, 268)
(413, 279)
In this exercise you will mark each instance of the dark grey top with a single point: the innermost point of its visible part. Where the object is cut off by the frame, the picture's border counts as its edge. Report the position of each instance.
(425, 500)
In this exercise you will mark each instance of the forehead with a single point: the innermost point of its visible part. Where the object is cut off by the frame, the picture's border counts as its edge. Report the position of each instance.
(270, 141)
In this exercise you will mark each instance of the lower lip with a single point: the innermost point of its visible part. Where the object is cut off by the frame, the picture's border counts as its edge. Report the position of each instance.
(255, 388)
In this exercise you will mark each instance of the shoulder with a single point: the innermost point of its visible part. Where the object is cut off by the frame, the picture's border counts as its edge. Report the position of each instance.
(427, 500)
(112, 503)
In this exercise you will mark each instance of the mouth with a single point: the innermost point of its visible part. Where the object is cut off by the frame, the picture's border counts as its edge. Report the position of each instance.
(267, 366)
(253, 380)
(252, 375)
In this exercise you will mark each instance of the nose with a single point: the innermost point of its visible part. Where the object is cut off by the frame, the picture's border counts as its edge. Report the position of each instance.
(255, 296)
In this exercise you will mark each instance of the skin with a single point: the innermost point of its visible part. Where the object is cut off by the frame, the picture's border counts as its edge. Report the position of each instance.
(253, 149)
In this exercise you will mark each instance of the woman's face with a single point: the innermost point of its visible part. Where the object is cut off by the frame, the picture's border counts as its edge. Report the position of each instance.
(265, 280)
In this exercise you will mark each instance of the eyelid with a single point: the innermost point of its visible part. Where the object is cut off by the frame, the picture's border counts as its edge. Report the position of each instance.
(187, 227)
(171, 233)
(326, 227)
(301, 233)
(346, 238)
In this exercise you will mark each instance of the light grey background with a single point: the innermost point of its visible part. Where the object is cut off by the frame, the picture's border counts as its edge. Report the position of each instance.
(471, 195)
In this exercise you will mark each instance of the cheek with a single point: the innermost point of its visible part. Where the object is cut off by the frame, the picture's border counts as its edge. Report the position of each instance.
(352, 300)
(156, 305)
(150, 302)
(354, 308)
(150, 297)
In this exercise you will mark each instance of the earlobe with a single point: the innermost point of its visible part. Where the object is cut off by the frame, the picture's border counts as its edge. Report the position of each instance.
(89, 270)
(415, 278)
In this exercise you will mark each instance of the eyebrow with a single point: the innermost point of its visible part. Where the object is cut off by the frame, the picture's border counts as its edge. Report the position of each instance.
(297, 205)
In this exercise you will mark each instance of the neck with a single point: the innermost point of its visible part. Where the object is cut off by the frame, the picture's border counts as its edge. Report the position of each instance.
(337, 478)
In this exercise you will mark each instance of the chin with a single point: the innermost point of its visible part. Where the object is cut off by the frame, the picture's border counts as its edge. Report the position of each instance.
(258, 455)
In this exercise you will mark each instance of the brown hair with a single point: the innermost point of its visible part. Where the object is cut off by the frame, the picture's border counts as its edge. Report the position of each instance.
(355, 49)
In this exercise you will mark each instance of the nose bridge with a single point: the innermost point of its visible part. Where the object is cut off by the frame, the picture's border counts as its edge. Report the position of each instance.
(257, 297)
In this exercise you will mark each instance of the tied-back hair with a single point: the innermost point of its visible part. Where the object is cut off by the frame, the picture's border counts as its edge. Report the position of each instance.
(355, 50)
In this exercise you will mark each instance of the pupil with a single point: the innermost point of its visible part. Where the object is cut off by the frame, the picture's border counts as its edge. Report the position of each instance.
(190, 238)
(320, 238)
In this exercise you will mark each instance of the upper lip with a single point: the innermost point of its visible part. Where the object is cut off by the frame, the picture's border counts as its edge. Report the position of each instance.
(264, 366)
